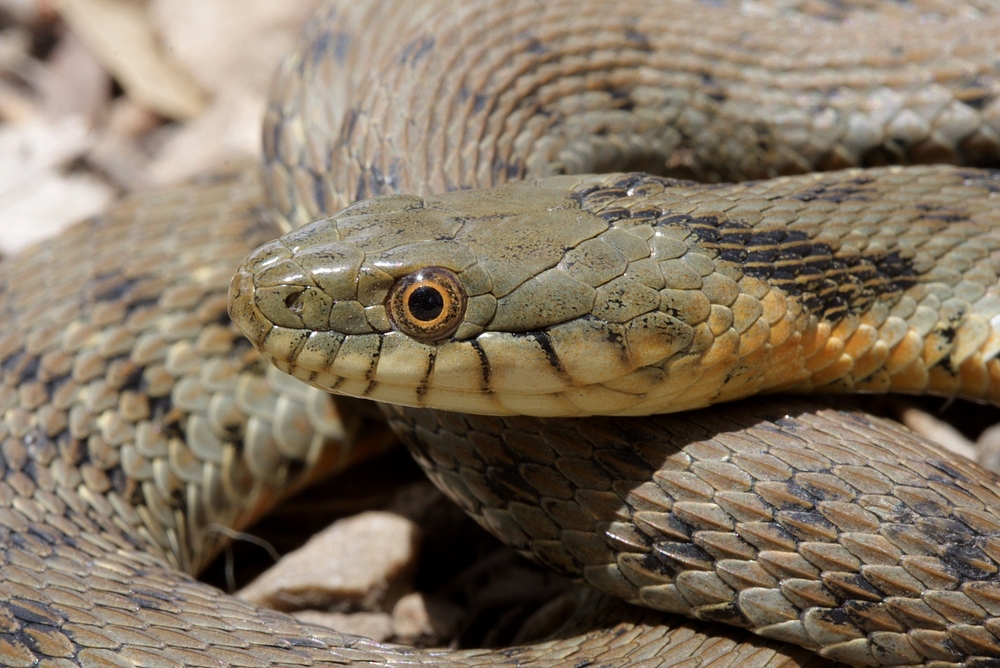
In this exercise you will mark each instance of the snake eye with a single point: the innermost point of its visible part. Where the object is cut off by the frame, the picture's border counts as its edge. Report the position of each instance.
(428, 304)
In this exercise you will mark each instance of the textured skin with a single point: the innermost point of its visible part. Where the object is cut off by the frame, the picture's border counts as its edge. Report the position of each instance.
(629, 294)
(134, 417)
(831, 530)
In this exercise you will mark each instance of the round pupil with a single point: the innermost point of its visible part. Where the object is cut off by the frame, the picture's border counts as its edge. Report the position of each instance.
(425, 303)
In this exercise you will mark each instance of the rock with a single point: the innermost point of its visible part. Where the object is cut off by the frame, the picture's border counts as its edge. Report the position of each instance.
(223, 43)
(36, 198)
(123, 146)
(939, 431)
(374, 625)
(365, 562)
(27, 11)
(74, 83)
(988, 445)
(227, 133)
(134, 56)
(425, 620)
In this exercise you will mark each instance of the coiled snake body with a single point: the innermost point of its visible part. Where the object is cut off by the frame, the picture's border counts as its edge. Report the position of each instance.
(135, 416)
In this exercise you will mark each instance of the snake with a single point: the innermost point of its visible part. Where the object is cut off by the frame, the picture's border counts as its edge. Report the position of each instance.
(510, 247)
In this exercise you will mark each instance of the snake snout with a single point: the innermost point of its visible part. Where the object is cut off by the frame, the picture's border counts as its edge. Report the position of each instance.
(314, 289)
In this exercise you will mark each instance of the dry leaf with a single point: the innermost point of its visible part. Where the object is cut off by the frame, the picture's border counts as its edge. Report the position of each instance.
(119, 34)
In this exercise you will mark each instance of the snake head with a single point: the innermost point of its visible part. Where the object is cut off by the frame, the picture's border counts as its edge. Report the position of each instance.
(511, 300)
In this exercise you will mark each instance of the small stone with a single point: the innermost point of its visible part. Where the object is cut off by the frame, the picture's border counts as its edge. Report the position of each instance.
(365, 562)
(428, 620)
(939, 431)
(988, 444)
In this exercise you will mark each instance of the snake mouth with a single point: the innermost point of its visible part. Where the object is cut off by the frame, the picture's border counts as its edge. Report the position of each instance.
(243, 311)
(496, 373)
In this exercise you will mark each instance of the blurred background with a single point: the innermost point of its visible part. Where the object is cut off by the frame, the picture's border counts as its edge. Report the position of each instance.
(100, 98)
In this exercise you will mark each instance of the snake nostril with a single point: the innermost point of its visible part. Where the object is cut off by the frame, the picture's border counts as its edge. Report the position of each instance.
(294, 303)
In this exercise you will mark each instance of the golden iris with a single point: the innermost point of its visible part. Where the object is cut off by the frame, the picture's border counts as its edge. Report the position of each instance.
(427, 304)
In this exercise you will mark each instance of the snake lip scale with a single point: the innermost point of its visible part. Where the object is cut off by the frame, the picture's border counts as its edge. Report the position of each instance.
(472, 233)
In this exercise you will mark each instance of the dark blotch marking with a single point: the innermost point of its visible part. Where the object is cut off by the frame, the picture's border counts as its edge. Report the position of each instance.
(108, 288)
(988, 179)
(149, 598)
(964, 559)
(134, 378)
(622, 98)
(35, 612)
(624, 464)
(835, 617)
(637, 39)
(949, 470)
(349, 124)
(295, 467)
(711, 88)
(273, 141)
(337, 42)
(810, 518)
(831, 284)
(509, 485)
(484, 364)
(341, 45)
(841, 191)
(317, 187)
(729, 613)
(125, 487)
(479, 102)
(305, 642)
(413, 52)
(425, 382)
(978, 93)
(941, 213)
(30, 369)
(147, 302)
(864, 614)
(630, 181)
(55, 385)
(532, 44)
(942, 531)
(847, 587)
(543, 341)
(673, 558)
(379, 182)
(511, 170)
(947, 331)
(161, 409)
(612, 215)
(800, 493)
(594, 197)
(614, 337)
